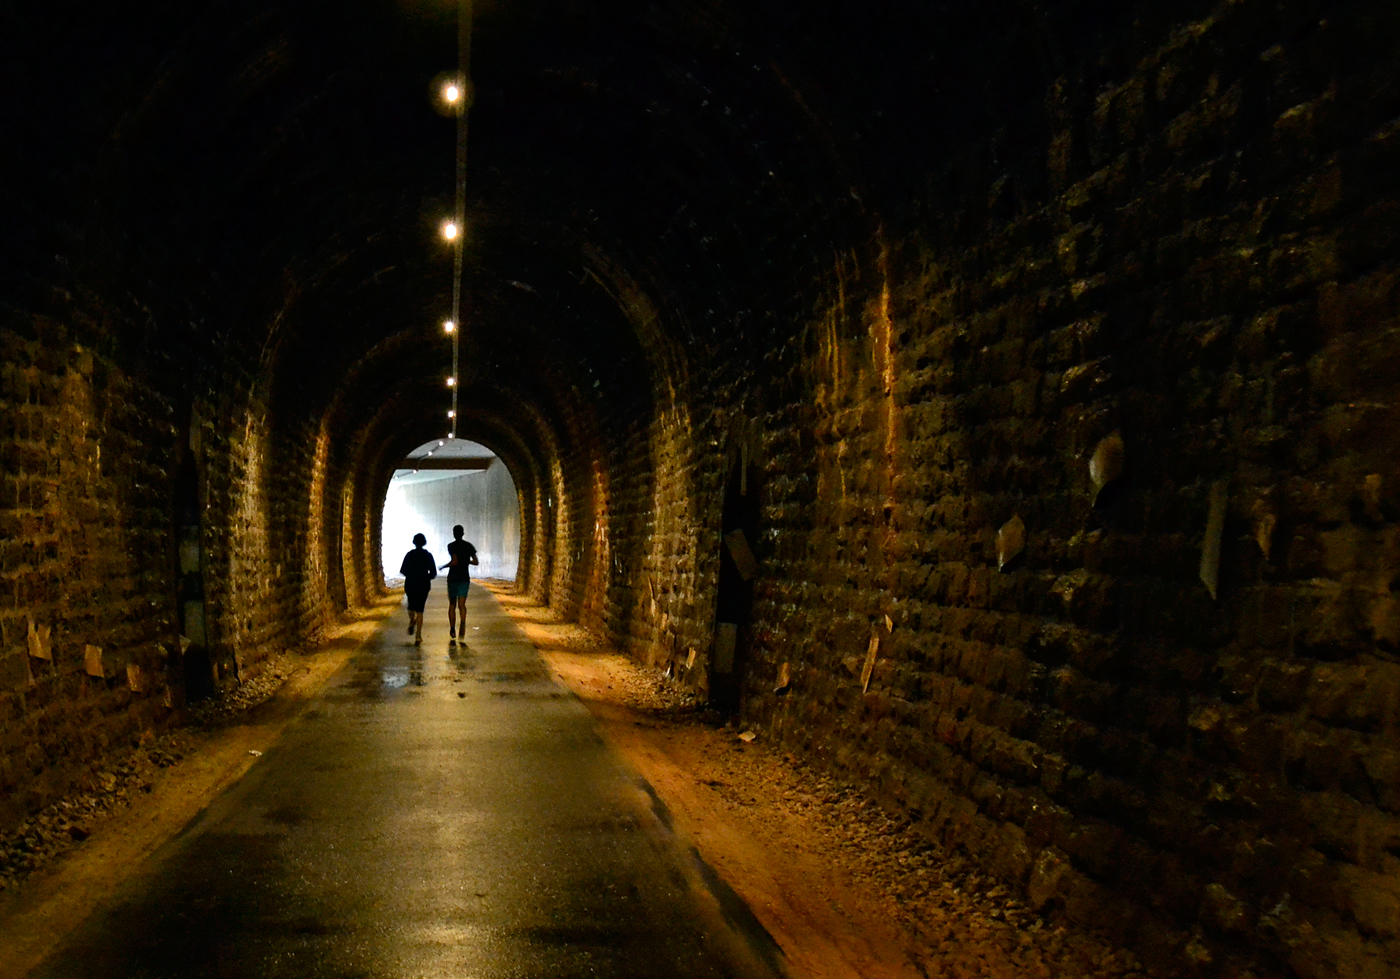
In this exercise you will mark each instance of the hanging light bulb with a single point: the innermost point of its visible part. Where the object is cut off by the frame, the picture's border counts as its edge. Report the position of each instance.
(450, 93)
(450, 231)
(448, 326)
(451, 414)
(440, 444)
(451, 381)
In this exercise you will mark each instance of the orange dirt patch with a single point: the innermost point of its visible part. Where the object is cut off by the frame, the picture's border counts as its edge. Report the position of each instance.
(844, 887)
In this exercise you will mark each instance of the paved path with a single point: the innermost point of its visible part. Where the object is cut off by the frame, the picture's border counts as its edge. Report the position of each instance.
(438, 811)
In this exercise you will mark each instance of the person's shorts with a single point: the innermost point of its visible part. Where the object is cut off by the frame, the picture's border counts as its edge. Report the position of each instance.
(416, 597)
(457, 589)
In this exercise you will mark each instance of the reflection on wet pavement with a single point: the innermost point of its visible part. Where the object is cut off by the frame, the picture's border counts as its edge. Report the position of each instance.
(439, 810)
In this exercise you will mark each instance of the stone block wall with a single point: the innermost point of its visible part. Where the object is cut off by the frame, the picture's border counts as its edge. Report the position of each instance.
(1077, 466)
(1079, 502)
(91, 454)
(88, 623)
(661, 621)
(1173, 709)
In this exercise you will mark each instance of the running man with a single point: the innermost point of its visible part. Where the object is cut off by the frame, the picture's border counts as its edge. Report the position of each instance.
(459, 579)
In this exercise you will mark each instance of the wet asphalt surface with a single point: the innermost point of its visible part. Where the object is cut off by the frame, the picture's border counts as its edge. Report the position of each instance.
(437, 810)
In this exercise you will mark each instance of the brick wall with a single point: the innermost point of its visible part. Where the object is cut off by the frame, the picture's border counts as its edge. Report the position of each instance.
(1209, 285)
(1076, 467)
(91, 453)
(1100, 455)
(88, 560)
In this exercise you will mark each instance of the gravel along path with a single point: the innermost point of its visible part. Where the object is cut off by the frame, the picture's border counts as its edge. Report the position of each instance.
(112, 787)
(63, 861)
(846, 888)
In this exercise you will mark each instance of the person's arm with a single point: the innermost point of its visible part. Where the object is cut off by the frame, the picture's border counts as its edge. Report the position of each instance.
(432, 567)
(473, 559)
(403, 568)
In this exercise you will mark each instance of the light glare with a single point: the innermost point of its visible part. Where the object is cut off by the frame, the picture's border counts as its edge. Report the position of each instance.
(448, 326)
(451, 93)
(450, 230)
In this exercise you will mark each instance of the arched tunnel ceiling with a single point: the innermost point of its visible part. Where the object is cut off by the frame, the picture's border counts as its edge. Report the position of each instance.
(268, 177)
(1050, 344)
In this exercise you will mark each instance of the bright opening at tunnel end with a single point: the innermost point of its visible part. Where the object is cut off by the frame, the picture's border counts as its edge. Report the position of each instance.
(472, 487)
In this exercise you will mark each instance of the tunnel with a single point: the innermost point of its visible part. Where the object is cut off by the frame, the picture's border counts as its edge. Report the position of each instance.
(472, 485)
(994, 404)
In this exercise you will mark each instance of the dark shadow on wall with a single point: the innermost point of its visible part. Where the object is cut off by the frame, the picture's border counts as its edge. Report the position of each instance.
(734, 598)
(195, 664)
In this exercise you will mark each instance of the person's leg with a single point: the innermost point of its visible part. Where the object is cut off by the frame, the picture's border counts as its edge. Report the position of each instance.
(462, 609)
(415, 604)
(451, 612)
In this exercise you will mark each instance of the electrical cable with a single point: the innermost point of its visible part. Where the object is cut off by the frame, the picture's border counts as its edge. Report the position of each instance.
(464, 56)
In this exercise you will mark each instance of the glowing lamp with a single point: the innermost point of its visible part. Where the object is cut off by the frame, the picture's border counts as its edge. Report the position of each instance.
(450, 231)
(448, 326)
(451, 381)
(451, 93)
(451, 414)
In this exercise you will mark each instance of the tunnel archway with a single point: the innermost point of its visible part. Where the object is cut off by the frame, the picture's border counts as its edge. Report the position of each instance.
(445, 483)
(972, 269)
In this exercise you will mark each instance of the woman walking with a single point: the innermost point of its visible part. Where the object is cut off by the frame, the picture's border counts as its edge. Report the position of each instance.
(419, 568)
